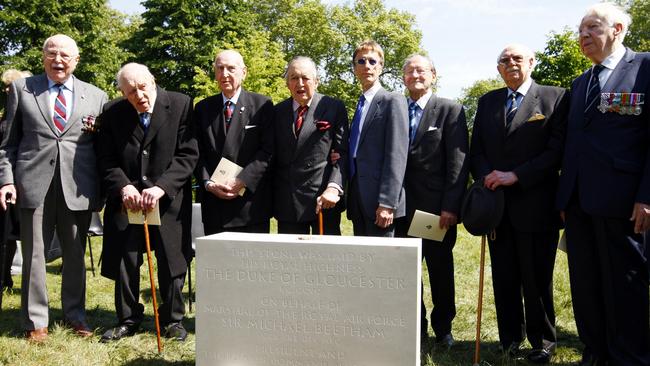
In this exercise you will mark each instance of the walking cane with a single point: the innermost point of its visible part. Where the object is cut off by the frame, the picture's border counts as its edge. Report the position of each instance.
(479, 310)
(3, 251)
(153, 283)
(320, 222)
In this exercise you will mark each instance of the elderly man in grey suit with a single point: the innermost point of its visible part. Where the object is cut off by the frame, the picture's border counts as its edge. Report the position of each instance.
(47, 163)
(378, 149)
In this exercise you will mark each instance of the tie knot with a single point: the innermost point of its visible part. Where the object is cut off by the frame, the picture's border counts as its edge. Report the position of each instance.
(597, 69)
(413, 106)
(227, 104)
(301, 110)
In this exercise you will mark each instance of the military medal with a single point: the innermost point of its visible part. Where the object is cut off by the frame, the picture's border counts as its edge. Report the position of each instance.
(622, 103)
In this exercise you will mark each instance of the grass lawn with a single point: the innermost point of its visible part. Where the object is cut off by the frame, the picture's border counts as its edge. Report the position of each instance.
(64, 348)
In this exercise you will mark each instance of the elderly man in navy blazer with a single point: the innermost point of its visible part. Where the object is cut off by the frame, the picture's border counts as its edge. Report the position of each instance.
(378, 149)
(605, 193)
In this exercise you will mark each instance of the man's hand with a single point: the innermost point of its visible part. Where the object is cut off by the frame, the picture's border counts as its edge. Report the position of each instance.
(498, 178)
(11, 189)
(220, 190)
(131, 198)
(447, 220)
(150, 197)
(328, 199)
(641, 217)
(235, 185)
(383, 217)
(334, 156)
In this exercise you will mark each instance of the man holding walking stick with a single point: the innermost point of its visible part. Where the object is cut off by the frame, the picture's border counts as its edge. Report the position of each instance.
(146, 153)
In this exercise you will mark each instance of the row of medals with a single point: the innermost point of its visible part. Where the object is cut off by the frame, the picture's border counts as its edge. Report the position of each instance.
(622, 103)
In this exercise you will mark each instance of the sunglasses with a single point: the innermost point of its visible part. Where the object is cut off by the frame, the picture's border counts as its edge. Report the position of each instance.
(363, 60)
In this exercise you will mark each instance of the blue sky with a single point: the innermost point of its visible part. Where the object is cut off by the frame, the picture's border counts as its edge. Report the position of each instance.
(464, 37)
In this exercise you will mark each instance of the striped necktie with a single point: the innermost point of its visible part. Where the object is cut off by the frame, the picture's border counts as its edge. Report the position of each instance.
(413, 120)
(60, 115)
(513, 108)
(227, 114)
(593, 91)
(301, 114)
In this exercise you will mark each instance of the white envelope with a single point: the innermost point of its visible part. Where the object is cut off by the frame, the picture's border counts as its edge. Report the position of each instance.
(427, 226)
(137, 217)
(225, 171)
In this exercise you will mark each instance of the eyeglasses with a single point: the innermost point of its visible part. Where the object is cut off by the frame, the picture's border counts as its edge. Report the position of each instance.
(50, 55)
(516, 59)
(363, 60)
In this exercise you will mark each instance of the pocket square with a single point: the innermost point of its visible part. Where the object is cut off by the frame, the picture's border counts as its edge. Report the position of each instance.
(536, 117)
(247, 127)
(432, 128)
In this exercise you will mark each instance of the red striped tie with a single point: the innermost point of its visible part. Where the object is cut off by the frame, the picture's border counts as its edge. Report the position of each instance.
(60, 109)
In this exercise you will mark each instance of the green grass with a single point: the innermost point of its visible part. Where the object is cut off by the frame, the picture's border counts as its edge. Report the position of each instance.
(64, 348)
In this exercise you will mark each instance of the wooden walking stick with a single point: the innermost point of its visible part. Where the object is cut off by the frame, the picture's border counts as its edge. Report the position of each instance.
(320, 222)
(153, 283)
(479, 310)
(3, 250)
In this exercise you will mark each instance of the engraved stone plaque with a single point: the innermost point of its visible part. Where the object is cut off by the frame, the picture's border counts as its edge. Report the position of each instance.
(291, 300)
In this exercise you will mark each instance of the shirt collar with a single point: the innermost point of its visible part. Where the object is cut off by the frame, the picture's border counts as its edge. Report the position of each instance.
(422, 102)
(296, 105)
(614, 58)
(69, 84)
(370, 93)
(234, 98)
(523, 88)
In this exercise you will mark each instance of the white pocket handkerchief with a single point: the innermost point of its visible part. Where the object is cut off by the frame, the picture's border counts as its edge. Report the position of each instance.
(249, 127)
(432, 128)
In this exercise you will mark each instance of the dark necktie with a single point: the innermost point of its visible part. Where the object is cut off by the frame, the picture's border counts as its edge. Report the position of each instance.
(227, 114)
(413, 120)
(593, 93)
(513, 108)
(355, 133)
(301, 113)
(144, 121)
(60, 115)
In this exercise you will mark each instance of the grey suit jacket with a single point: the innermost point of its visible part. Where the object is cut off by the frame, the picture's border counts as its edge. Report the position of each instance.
(32, 146)
(381, 155)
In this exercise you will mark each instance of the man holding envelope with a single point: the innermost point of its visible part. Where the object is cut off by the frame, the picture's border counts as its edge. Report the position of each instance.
(435, 180)
(517, 146)
(147, 152)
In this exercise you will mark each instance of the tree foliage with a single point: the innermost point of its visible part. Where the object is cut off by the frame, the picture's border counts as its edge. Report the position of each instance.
(638, 37)
(470, 96)
(561, 61)
(97, 29)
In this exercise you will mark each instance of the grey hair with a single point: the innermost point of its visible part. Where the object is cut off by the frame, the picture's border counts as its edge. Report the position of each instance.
(612, 14)
(524, 49)
(414, 55)
(299, 59)
(134, 68)
(51, 39)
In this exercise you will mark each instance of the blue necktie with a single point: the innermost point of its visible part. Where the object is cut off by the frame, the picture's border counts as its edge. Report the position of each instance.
(413, 120)
(594, 87)
(512, 110)
(355, 133)
(144, 121)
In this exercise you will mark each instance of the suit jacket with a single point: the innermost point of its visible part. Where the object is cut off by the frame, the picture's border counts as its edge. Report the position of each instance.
(607, 157)
(436, 170)
(302, 168)
(32, 145)
(381, 155)
(249, 143)
(531, 147)
(165, 157)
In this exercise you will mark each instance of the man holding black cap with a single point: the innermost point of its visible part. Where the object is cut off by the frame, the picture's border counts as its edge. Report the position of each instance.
(517, 146)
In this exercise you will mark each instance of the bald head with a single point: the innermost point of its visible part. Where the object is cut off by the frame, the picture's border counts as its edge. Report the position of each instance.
(60, 57)
(515, 63)
(138, 86)
(229, 71)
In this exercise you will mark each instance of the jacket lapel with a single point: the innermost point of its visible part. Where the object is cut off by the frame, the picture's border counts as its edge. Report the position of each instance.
(374, 106)
(429, 117)
(308, 125)
(237, 125)
(79, 97)
(619, 73)
(39, 88)
(158, 117)
(525, 110)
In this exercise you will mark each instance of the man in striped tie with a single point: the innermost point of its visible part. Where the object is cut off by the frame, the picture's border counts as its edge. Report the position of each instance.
(517, 147)
(47, 163)
(604, 193)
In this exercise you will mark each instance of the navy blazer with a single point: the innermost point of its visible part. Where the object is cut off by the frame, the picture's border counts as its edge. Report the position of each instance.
(607, 155)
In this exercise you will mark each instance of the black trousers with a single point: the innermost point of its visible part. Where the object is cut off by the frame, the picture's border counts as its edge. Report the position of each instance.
(260, 228)
(609, 286)
(331, 225)
(127, 286)
(440, 266)
(522, 269)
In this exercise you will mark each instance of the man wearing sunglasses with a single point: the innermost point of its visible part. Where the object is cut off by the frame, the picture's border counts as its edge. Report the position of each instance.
(378, 149)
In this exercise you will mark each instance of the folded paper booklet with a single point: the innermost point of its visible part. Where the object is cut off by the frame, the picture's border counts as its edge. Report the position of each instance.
(225, 171)
(427, 226)
(561, 245)
(137, 217)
